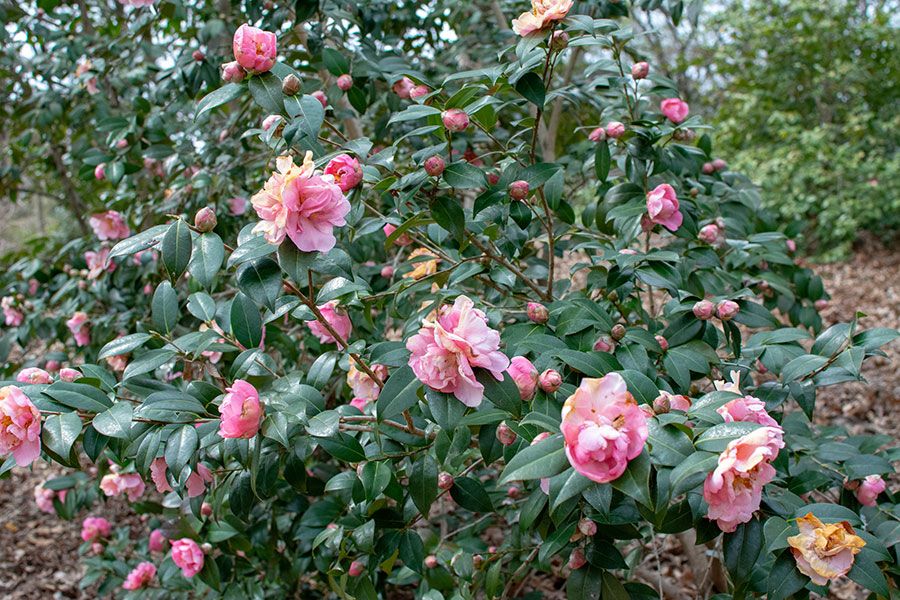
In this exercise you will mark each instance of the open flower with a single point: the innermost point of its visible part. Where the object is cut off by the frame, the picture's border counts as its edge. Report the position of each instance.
(868, 490)
(187, 556)
(603, 428)
(80, 328)
(140, 576)
(33, 375)
(98, 262)
(110, 225)
(346, 171)
(11, 315)
(240, 410)
(254, 49)
(542, 14)
(364, 388)
(823, 551)
(446, 350)
(116, 484)
(20, 426)
(337, 318)
(662, 207)
(422, 268)
(674, 109)
(95, 528)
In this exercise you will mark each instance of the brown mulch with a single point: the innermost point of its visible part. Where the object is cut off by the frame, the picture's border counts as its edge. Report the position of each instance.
(39, 552)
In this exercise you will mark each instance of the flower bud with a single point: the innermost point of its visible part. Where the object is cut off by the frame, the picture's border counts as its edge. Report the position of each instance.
(205, 219)
(477, 560)
(431, 561)
(719, 164)
(821, 304)
(493, 178)
(709, 234)
(587, 527)
(708, 168)
(761, 368)
(290, 85)
(662, 404)
(206, 509)
(321, 97)
(684, 135)
(97, 548)
(597, 135)
(198, 55)
(727, 309)
(122, 144)
(445, 480)
(356, 569)
(559, 41)
(518, 190)
(206, 547)
(345, 82)
(604, 343)
(577, 559)
(434, 165)
(615, 129)
(387, 271)
(232, 72)
(537, 313)
(419, 91)
(100, 171)
(613, 296)
(550, 380)
(694, 192)
(704, 310)
(513, 492)
(618, 331)
(270, 121)
(640, 70)
(791, 246)
(455, 119)
(506, 435)
(492, 549)
(663, 342)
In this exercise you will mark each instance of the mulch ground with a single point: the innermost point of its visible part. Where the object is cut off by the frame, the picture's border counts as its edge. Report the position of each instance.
(39, 553)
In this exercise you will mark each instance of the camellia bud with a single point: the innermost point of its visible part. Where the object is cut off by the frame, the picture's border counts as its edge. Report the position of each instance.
(559, 41)
(597, 135)
(615, 129)
(694, 192)
(604, 343)
(290, 85)
(356, 569)
(321, 97)
(708, 168)
(587, 527)
(663, 342)
(493, 178)
(618, 331)
(821, 304)
(761, 368)
(727, 309)
(704, 310)
(640, 70)
(550, 380)
(513, 492)
(100, 171)
(684, 135)
(205, 219)
(431, 561)
(122, 144)
(709, 234)
(791, 246)
(719, 164)
(577, 559)
(662, 404)
(206, 509)
(232, 72)
(419, 91)
(206, 547)
(445, 480)
(613, 296)
(518, 190)
(345, 82)
(506, 435)
(387, 271)
(97, 548)
(455, 119)
(434, 165)
(537, 313)
(198, 55)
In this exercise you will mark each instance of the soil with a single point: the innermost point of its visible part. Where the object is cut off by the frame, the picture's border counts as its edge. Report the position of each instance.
(39, 553)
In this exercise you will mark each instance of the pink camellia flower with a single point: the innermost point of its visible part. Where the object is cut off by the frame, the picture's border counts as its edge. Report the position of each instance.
(824, 551)
(403, 87)
(603, 428)
(237, 206)
(537, 312)
(334, 316)
(232, 72)
(109, 225)
(550, 380)
(270, 121)
(11, 315)
(157, 541)
(140, 576)
(33, 375)
(615, 129)
(640, 70)
(68, 374)
(587, 527)
(20, 426)
(321, 97)
(80, 328)
(116, 484)
(198, 55)
(33, 285)
(663, 342)
(868, 490)
(727, 310)
(95, 528)
(345, 82)
(662, 207)
(158, 475)
(197, 480)
(445, 480)
(597, 135)
(704, 310)
(98, 262)
(525, 375)
(734, 489)
(419, 91)
(346, 172)
(241, 411)
(302, 205)
(747, 409)
(365, 389)
(791, 245)
(545, 482)
(356, 569)
(402, 239)
(91, 86)
(604, 343)
(100, 172)
(450, 345)
(674, 109)
(455, 119)
(711, 234)
(187, 555)
(577, 559)
(542, 14)
(254, 49)
(44, 497)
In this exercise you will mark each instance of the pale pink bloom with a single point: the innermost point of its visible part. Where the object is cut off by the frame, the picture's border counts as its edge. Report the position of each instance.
(158, 541)
(80, 328)
(117, 363)
(33, 375)
(447, 348)
(824, 551)
(237, 205)
(116, 484)
(44, 497)
(12, 316)
(254, 49)
(187, 556)
(364, 388)
(615, 129)
(346, 171)
(337, 318)
(68, 374)
(95, 528)
(402, 239)
(109, 225)
(269, 121)
(241, 411)
(597, 135)
(662, 207)
(140, 576)
(33, 286)
(403, 87)
(748, 410)
(455, 119)
(603, 428)
(542, 14)
(734, 489)
(158, 475)
(98, 262)
(525, 375)
(869, 489)
(674, 109)
(20, 426)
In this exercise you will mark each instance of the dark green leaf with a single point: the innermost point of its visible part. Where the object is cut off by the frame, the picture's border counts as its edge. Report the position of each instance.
(176, 249)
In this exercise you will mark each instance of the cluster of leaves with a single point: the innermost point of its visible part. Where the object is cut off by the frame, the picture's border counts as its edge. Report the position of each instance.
(324, 484)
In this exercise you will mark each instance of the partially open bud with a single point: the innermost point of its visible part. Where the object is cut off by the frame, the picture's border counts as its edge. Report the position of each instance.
(550, 380)
(419, 91)
(597, 135)
(727, 309)
(345, 82)
(205, 219)
(559, 41)
(518, 190)
(445, 480)
(604, 343)
(321, 97)
(434, 165)
(270, 121)
(122, 144)
(663, 342)
(709, 234)
(455, 119)
(97, 548)
(198, 55)
(791, 246)
(618, 331)
(431, 561)
(356, 569)
(206, 509)
(704, 310)
(587, 527)
(537, 313)
(290, 85)
(505, 435)
(100, 171)
(577, 559)
(640, 70)
(232, 72)
(615, 129)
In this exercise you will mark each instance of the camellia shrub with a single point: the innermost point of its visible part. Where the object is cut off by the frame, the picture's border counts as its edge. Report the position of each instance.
(350, 318)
